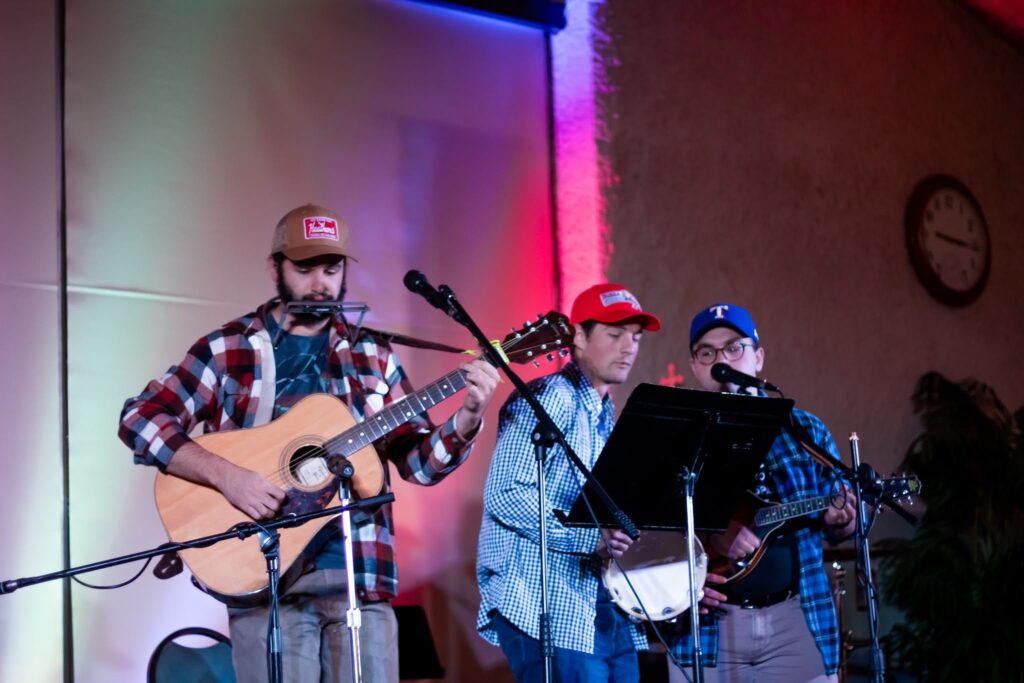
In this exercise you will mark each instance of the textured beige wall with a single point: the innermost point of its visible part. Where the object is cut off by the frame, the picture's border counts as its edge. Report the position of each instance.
(764, 153)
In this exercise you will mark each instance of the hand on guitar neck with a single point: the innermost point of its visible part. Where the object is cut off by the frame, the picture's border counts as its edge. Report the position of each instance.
(841, 522)
(481, 380)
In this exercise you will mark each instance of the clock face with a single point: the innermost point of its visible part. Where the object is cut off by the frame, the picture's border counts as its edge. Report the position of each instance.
(948, 240)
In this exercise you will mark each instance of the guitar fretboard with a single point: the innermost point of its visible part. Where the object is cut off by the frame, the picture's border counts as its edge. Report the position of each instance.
(778, 513)
(397, 414)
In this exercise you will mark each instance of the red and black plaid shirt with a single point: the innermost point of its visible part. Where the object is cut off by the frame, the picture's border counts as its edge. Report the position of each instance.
(221, 384)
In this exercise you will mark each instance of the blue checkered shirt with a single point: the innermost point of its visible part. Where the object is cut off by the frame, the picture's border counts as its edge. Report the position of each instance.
(508, 557)
(796, 476)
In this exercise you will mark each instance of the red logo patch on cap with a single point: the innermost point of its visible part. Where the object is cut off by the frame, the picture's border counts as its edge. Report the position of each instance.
(320, 228)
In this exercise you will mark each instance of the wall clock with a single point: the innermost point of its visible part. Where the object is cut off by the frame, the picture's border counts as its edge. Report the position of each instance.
(947, 240)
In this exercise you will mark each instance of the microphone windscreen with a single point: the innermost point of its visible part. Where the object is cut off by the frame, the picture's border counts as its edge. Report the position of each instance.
(721, 372)
(414, 281)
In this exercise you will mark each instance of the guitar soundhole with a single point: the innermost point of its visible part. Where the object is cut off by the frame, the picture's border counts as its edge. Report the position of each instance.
(307, 468)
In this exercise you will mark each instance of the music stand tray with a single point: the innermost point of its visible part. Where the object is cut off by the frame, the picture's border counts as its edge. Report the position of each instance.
(664, 432)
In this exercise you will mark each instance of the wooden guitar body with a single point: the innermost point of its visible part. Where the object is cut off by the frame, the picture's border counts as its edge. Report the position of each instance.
(235, 572)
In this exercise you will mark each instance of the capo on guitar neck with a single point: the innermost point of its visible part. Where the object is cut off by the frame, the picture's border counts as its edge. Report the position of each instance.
(496, 345)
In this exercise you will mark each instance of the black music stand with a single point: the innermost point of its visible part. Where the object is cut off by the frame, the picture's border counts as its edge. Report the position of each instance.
(664, 443)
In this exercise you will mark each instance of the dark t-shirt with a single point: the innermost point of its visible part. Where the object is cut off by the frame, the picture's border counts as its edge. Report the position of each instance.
(299, 362)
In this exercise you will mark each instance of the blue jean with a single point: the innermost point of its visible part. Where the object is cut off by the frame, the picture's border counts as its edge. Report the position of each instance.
(614, 658)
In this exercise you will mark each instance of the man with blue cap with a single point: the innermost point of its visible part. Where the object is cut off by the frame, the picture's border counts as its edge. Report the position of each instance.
(777, 623)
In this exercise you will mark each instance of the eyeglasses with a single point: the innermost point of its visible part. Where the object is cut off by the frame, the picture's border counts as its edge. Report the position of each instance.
(706, 355)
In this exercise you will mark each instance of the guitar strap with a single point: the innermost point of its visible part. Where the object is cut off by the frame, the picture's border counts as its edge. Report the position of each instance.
(415, 342)
(807, 442)
(390, 337)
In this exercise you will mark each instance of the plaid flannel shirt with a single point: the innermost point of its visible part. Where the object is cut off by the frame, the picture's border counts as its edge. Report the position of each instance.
(796, 476)
(226, 381)
(508, 556)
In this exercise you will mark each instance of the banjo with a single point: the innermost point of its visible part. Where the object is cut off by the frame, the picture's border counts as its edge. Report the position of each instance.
(658, 567)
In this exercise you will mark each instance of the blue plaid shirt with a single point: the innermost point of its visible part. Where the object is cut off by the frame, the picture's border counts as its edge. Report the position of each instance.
(796, 476)
(508, 557)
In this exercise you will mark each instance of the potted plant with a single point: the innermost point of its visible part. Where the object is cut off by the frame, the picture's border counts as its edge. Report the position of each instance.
(958, 580)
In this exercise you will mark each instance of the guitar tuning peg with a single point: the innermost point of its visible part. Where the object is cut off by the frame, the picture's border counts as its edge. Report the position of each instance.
(539, 316)
(527, 323)
(551, 357)
(563, 353)
(512, 330)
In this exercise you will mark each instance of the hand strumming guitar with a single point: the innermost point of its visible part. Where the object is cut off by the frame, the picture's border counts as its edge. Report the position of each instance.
(736, 542)
(248, 491)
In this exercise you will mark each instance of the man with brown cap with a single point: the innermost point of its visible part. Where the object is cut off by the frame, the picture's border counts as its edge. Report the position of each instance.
(593, 640)
(253, 370)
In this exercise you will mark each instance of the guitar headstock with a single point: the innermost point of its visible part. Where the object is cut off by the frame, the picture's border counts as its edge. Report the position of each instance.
(895, 488)
(549, 334)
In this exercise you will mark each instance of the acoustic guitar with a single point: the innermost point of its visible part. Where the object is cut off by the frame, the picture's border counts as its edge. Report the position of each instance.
(294, 452)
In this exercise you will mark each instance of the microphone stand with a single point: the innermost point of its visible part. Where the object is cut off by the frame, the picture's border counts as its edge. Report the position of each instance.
(690, 475)
(545, 436)
(353, 616)
(268, 544)
(864, 551)
(863, 478)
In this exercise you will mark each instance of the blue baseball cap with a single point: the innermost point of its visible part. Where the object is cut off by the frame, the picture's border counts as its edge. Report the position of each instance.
(723, 315)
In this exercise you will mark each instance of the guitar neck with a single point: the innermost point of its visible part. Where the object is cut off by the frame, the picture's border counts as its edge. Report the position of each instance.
(780, 513)
(395, 415)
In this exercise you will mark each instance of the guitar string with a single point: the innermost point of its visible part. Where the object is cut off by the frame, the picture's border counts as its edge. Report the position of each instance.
(280, 475)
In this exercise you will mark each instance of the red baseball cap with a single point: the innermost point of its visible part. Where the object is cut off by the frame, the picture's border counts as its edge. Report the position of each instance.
(611, 304)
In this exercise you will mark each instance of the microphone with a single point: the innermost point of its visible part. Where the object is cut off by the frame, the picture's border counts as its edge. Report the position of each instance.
(416, 282)
(727, 375)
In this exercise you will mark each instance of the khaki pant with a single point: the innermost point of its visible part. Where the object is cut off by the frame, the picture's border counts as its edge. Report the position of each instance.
(766, 645)
(315, 635)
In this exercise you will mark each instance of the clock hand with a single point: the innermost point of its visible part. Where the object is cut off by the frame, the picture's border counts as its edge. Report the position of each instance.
(956, 241)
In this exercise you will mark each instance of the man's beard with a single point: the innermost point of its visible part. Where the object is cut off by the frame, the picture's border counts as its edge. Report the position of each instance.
(286, 295)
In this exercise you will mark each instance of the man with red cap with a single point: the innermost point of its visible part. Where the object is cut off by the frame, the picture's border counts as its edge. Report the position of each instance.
(593, 640)
(254, 369)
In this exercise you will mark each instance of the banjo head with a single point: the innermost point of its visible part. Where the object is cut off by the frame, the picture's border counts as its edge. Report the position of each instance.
(657, 566)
